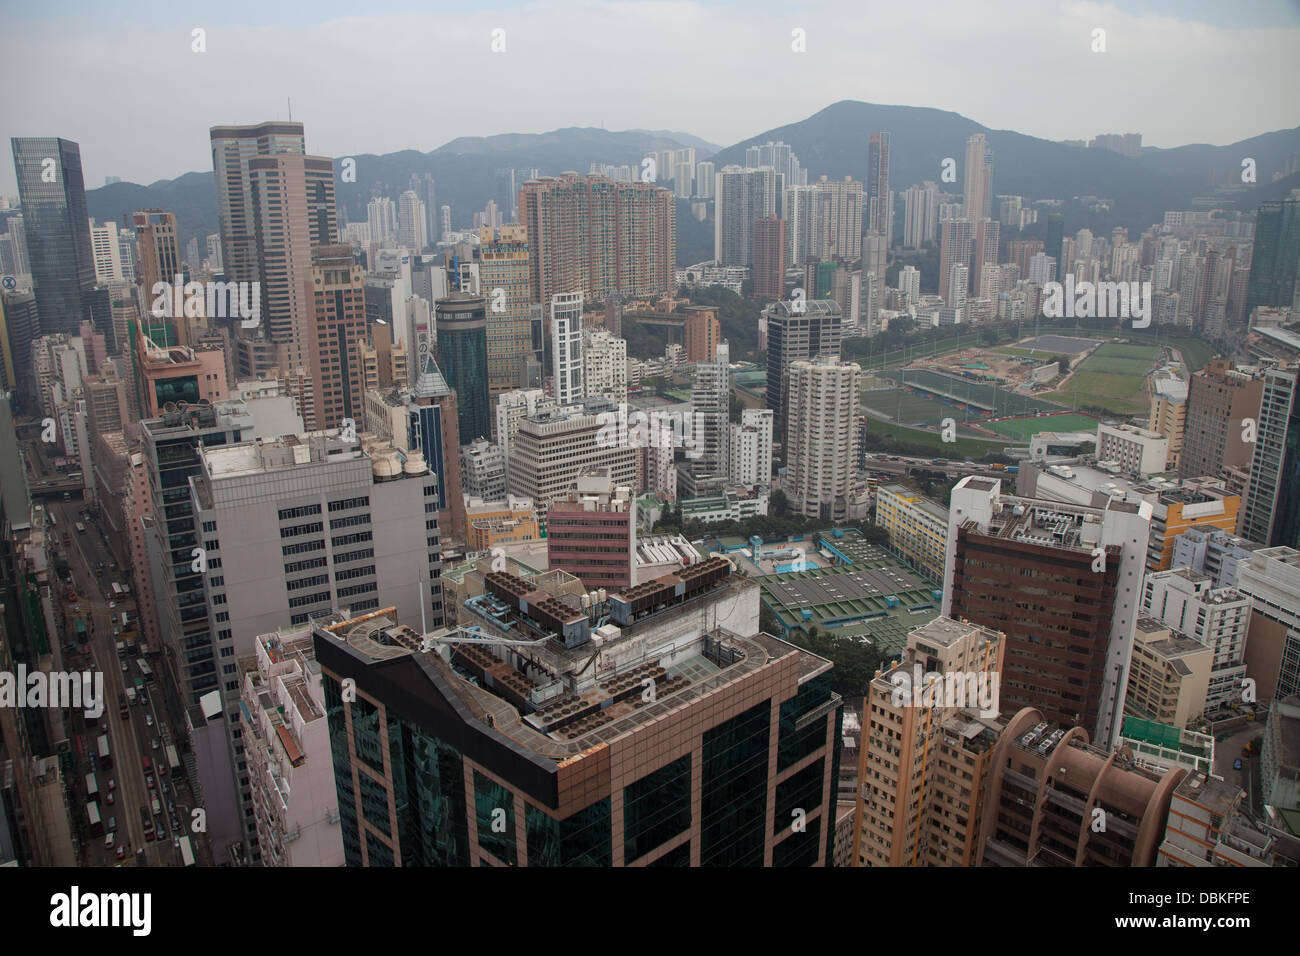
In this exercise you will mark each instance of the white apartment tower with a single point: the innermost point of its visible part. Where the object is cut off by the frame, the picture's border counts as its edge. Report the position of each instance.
(566, 347)
(822, 436)
(751, 447)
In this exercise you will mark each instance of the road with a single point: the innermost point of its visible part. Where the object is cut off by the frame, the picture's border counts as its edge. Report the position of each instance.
(130, 739)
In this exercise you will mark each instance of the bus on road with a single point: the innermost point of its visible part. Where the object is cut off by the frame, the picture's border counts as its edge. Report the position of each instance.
(96, 821)
(187, 854)
(92, 787)
(145, 671)
(105, 757)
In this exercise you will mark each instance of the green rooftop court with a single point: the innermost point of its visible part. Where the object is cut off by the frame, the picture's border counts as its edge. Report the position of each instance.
(866, 593)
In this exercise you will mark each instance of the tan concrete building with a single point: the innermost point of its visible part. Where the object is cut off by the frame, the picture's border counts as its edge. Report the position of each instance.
(1169, 675)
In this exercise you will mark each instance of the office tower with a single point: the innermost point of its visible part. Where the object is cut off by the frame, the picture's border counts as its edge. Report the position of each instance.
(213, 246)
(977, 191)
(551, 449)
(797, 332)
(106, 251)
(626, 243)
(504, 278)
(744, 196)
(604, 365)
(920, 214)
(293, 209)
(1216, 617)
(511, 409)
(1276, 255)
(411, 222)
(56, 228)
(926, 750)
(807, 214)
(1270, 511)
(445, 214)
(1219, 398)
(158, 248)
(708, 467)
(875, 253)
(483, 471)
(543, 767)
(1056, 241)
(381, 217)
(955, 249)
(822, 439)
(507, 195)
(591, 532)
(336, 335)
(844, 228)
(232, 148)
(750, 454)
(880, 215)
(1271, 579)
(22, 327)
(383, 363)
(461, 321)
(769, 258)
(18, 245)
(566, 347)
(1167, 415)
(984, 253)
(302, 525)
(704, 180)
(1032, 811)
(1213, 551)
(1064, 583)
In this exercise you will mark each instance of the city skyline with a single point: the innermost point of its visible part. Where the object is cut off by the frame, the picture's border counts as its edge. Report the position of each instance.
(1145, 41)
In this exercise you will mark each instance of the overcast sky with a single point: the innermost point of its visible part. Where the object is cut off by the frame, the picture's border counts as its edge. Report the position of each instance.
(369, 76)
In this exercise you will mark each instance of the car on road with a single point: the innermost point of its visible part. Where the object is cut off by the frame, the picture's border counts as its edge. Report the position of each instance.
(176, 823)
(149, 780)
(176, 842)
(121, 853)
(112, 784)
(162, 784)
(108, 841)
(1236, 764)
(124, 667)
(108, 798)
(112, 824)
(155, 744)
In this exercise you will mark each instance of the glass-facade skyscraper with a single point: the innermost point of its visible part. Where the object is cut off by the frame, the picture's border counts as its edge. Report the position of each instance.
(462, 356)
(1270, 510)
(1276, 256)
(57, 227)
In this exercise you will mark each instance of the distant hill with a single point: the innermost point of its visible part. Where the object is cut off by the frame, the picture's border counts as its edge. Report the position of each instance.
(833, 142)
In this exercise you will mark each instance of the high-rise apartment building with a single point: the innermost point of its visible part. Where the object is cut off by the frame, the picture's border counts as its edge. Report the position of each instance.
(159, 260)
(232, 148)
(977, 192)
(1167, 415)
(1064, 583)
(462, 356)
(1271, 579)
(984, 253)
(411, 222)
(843, 233)
(1270, 510)
(56, 229)
(107, 252)
(924, 754)
(708, 467)
(1055, 248)
(797, 330)
(483, 471)
(750, 453)
(1214, 552)
(589, 235)
(604, 365)
(769, 258)
(511, 409)
(879, 200)
(566, 347)
(1217, 618)
(1219, 399)
(744, 196)
(381, 218)
(755, 726)
(806, 212)
(336, 336)
(822, 438)
(921, 215)
(956, 246)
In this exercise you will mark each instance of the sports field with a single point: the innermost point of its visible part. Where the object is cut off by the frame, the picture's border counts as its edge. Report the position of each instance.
(1112, 378)
(909, 408)
(1022, 429)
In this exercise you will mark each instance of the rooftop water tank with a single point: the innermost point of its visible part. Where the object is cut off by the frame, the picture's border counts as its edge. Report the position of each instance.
(415, 464)
(386, 465)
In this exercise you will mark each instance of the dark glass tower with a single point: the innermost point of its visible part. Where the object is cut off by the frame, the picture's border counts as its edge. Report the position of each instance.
(1055, 240)
(1276, 256)
(53, 197)
(462, 355)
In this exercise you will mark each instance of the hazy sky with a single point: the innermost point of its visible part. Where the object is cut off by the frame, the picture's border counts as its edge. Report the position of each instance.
(379, 76)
